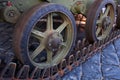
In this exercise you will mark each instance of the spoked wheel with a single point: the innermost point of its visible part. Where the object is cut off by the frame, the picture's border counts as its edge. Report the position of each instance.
(100, 20)
(45, 35)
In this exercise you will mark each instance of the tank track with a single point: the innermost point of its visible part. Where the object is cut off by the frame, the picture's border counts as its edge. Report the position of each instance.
(11, 69)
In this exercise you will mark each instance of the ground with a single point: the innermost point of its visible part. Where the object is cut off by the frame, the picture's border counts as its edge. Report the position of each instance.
(105, 65)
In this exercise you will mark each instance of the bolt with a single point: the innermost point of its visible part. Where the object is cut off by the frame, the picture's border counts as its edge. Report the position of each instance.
(11, 14)
(50, 44)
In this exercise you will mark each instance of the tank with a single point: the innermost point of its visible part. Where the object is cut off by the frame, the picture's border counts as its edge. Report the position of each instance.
(46, 30)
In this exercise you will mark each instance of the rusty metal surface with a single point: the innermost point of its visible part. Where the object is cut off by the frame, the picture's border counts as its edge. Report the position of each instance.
(13, 70)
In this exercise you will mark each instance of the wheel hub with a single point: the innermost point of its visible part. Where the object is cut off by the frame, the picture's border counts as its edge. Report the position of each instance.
(106, 22)
(55, 41)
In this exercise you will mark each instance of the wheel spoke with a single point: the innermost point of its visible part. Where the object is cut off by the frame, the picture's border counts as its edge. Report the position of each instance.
(107, 30)
(99, 21)
(50, 22)
(64, 44)
(98, 30)
(49, 56)
(101, 14)
(37, 34)
(62, 27)
(39, 49)
(107, 11)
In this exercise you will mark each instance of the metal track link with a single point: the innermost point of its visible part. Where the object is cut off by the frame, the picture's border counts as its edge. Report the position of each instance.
(81, 53)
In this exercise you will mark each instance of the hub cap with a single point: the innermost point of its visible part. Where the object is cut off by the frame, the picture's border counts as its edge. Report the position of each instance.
(106, 22)
(55, 41)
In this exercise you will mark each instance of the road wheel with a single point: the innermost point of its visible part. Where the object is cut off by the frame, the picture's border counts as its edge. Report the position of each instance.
(44, 35)
(100, 20)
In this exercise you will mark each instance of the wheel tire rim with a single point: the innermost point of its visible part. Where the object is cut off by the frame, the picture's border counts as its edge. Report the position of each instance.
(43, 37)
(101, 30)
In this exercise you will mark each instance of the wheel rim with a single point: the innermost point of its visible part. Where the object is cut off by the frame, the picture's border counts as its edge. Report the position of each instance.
(50, 40)
(105, 22)
(98, 19)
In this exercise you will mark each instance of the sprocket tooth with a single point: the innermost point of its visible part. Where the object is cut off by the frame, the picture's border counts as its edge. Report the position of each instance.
(54, 72)
(23, 73)
(78, 45)
(36, 73)
(111, 36)
(90, 48)
(111, 39)
(81, 44)
(78, 58)
(99, 43)
(106, 39)
(71, 60)
(100, 46)
(62, 67)
(89, 51)
(9, 71)
(45, 74)
(84, 52)
(95, 46)
(102, 42)
(84, 42)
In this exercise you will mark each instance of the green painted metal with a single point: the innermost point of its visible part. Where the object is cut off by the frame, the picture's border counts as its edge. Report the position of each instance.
(11, 9)
(23, 5)
(81, 6)
(76, 6)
